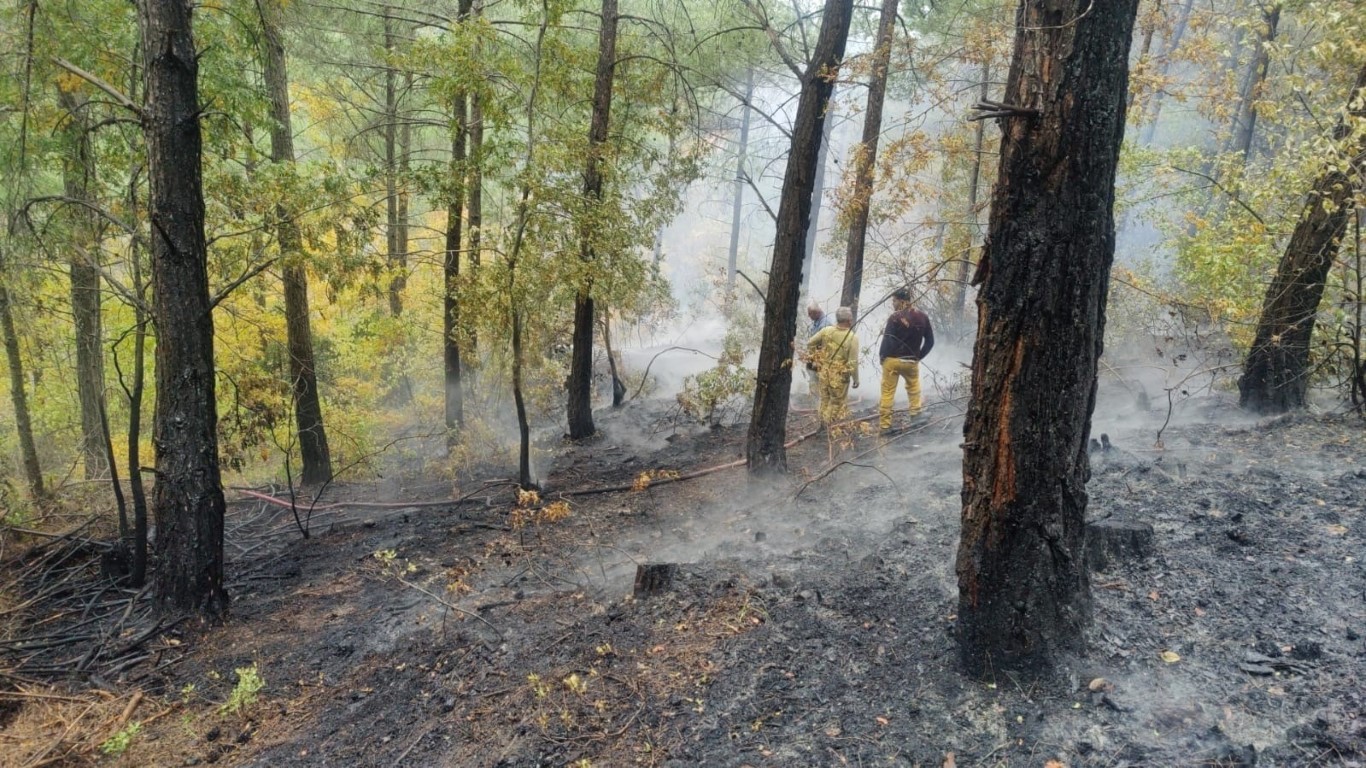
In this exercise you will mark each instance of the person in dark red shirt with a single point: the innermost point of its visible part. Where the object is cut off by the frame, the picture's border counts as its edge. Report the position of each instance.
(906, 340)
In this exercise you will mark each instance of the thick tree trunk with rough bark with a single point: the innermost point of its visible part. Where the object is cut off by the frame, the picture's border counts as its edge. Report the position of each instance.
(1276, 373)
(78, 174)
(1024, 595)
(764, 451)
(308, 412)
(188, 497)
(864, 160)
(580, 406)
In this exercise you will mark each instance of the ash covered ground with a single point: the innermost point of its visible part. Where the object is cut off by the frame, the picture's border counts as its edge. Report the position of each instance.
(811, 621)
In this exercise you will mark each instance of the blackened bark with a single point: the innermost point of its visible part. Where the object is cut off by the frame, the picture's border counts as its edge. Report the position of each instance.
(1024, 595)
(303, 377)
(524, 478)
(1276, 374)
(764, 451)
(28, 450)
(865, 159)
(580, 406)
(738, 198)
(78, 175)
(188, 497)
(1245, 122)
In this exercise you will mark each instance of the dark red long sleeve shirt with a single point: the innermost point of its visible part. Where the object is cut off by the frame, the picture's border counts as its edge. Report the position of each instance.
(908, 334)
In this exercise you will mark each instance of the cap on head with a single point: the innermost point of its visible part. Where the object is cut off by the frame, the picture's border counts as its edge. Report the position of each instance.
(901, 294)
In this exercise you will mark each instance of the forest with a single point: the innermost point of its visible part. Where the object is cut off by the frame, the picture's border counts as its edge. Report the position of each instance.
(444, 383)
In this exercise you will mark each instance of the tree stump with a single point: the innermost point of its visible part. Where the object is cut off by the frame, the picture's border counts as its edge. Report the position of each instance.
(654, 578)
(1114, 540)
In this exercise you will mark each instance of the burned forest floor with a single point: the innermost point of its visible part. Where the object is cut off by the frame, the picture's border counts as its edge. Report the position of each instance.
(809, 621)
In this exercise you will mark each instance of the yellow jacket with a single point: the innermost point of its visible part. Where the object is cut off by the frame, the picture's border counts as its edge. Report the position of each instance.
(834, 351)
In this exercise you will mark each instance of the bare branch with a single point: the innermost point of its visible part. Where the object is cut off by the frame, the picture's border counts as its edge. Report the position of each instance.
(758, 10)
(94, 80)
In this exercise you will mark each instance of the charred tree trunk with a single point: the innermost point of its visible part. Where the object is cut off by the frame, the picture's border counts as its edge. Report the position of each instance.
(764, 451)
(18, 395)
(580, 405)
(308, 412)
(737, 201)
(78, 174)
(1276, 374)
(1024, 595)
(865, 158)
(974, 185)
(188, 497)
(1169, 48)
(1245, 122)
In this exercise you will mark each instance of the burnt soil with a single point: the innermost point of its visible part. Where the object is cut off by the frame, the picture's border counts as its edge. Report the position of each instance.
(809, 624)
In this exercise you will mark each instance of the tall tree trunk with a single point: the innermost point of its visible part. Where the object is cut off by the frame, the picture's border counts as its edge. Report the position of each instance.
(1276, 374)
(396, 252)
(738, 199)
(450, 342)
(474, 188)
(135, 393)
(308, 411)
(1169, 48)
(18, 395)
(405, 162)
(865, 158)
(974, 185)
(764, 451)
(817, 199)
(188, 497)
(580, 405)
(1024, 596)
(78, 175)
(1245, 122)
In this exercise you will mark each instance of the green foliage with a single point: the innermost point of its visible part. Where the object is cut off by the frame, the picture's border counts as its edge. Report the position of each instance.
(245, 692)
(722, 391)
(120, 742)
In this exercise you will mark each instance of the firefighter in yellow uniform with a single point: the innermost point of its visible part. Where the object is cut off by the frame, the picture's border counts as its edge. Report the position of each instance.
(906, 340)
(834, 352)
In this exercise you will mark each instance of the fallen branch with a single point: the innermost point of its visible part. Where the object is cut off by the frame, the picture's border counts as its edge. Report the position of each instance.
(883, 444)
(678, 478)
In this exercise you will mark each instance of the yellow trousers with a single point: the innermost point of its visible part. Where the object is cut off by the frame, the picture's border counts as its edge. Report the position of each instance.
(834, 398)
(892, 369)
